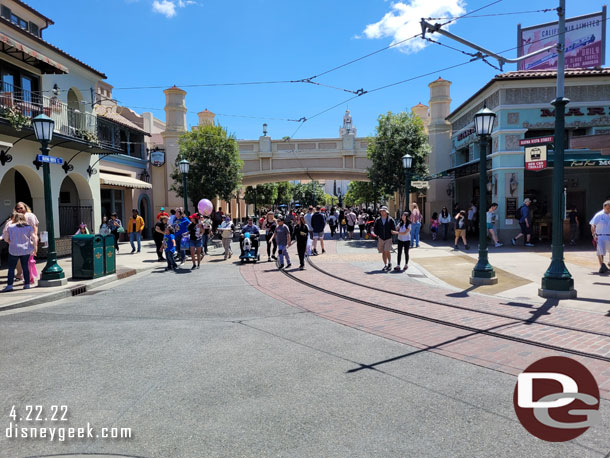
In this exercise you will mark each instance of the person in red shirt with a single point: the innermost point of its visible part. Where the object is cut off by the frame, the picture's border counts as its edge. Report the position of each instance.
(161, 213)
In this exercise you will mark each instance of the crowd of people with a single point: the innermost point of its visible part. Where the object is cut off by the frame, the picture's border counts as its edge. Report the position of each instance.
(178, 236)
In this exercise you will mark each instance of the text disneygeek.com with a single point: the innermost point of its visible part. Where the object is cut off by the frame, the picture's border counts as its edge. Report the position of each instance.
(61, 433)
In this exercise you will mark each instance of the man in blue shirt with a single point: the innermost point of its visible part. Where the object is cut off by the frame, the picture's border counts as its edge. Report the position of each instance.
(254, 233)
(525, 221)
(181, 224)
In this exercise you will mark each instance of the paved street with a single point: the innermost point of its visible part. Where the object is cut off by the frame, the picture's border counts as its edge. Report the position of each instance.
(200, 363)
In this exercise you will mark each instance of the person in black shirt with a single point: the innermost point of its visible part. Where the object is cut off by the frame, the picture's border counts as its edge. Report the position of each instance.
(573, 216)
(384, 225)
(158, 235)
(301, 233)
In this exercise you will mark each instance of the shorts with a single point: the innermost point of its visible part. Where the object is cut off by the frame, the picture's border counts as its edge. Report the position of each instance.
(196, 243)
(350, 228)
(524, 229)
(184, 244)
(318, 235)
(490, 226)
(460, 232)
(384, 245)
(603, 245)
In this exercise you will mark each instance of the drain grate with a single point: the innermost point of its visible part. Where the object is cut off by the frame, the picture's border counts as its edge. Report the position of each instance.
(78, 290)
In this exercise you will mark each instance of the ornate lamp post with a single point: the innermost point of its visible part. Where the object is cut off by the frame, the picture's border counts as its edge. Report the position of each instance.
(184, 168)
(407, 162)
(52, 274)
(483, 273)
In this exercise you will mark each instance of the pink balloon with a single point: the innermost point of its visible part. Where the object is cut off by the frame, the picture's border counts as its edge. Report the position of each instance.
(205, 207)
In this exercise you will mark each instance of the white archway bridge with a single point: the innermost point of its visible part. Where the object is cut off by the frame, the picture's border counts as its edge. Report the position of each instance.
(267, 160)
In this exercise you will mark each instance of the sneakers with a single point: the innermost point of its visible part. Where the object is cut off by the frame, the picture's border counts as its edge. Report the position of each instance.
(529, 244)
(389, 266)
(323, 251)
(133, 251)
(230, 254)
(194, 267)
(499, 244)
(455, 247)
(301, 267)
(281, 266)
(269, 259)
(314, 253)
(288, 266)
(397, 268)
(602, 270)
(513, 241)
(7, 288)
(385, 267)
(406, 267)
(274, 257)
(28, 286)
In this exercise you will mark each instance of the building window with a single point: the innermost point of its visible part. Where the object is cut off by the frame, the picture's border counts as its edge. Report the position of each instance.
(34, 29)
(6, 12)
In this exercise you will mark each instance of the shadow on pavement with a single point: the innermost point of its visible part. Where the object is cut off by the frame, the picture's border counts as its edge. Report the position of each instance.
(463, 293)
(542, 310)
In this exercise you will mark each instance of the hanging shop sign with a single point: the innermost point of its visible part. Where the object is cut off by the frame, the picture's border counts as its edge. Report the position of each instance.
(585, 40)
(535, 157)
(157, 158)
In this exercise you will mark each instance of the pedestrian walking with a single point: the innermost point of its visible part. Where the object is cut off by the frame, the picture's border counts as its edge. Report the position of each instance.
(525, 222)
(491, 224)
(181, 224)
(269, 225)
(350, 219)
(227, 229)
(600, 229)
(574, 224)
(434, 224)
(361, 221)
(30, 217)
(159, 234)
(172, 217)
(416, 220)
(342, 223)
(332, 222)
(318, 223)
(403, 230)
(282, 237)
(384, 225)
(104, 230)
(135, 225)
(115, 226)
(301, 235)
(472, 217)
(195, 230)
(22, 241)
(460, 229)
(445, 220)
(169, 245)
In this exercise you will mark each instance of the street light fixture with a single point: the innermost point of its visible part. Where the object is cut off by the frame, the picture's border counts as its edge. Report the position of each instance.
(265, 130)
(483, 273)
(184, 168)
(407, 162)
(52, 274)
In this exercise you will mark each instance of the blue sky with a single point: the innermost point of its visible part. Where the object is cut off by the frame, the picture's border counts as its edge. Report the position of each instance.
(182, 42)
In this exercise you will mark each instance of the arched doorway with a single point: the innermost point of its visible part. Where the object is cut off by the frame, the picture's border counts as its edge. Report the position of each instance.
(75, 205)
(144, 209)
(75, 109)
(22, 190)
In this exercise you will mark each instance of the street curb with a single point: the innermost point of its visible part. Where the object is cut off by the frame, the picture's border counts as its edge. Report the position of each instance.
(76, 289)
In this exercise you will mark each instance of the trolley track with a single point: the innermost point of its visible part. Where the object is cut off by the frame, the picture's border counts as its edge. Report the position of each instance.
(474, 330)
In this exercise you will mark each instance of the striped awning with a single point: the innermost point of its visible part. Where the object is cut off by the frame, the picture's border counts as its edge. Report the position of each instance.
(28, 55)
(123, 181)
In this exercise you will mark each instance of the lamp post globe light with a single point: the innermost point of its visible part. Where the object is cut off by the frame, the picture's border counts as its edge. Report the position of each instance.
(52, 274)
(407, 162)
(483, 273)
(184, 169)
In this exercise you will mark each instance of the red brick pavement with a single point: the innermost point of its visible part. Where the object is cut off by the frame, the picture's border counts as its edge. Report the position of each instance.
(484, 350)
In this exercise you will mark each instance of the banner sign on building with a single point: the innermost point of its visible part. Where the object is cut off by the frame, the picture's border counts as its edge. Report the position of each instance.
(536, 141)
(585, 43)
(535, 157)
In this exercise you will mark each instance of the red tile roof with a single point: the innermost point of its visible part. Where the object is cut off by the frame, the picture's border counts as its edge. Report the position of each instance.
(50, 46)
(534, 74)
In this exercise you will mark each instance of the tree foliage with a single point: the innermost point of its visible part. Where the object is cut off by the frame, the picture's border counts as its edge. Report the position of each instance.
(264, 194)
(363, 192)
(396, 135)
(284, 193)
(311, 193)
(215, 164)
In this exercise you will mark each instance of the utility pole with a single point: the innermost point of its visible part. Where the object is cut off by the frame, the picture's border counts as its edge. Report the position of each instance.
(557, 281)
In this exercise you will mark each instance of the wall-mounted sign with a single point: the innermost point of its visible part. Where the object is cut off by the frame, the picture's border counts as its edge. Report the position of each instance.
(466, 133)
(536, 141)
(157, 158)
(535, 157)
(420, 184)
(588, 163)
(585, 43)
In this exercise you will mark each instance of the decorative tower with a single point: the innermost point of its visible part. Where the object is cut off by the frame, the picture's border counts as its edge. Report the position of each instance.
(348, 126)
(175, 126)
(206, 117)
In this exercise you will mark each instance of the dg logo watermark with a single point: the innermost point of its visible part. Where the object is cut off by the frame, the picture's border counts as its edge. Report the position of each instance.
(557, 399)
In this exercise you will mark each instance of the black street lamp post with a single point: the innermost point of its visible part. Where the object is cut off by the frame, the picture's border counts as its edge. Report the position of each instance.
(407, 162)
(184, 168)
(483, 273)
(52, 274)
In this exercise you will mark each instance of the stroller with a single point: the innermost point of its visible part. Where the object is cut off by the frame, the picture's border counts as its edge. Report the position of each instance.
(250, 247)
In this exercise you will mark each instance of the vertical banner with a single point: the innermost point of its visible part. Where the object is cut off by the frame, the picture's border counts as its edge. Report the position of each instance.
(585, 43)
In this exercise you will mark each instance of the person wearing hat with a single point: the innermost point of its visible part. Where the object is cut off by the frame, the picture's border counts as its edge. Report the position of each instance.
(525, 222)
(161, 213)
(384, 225)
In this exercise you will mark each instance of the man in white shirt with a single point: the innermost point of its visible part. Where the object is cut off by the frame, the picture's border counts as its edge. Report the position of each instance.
(600, 229)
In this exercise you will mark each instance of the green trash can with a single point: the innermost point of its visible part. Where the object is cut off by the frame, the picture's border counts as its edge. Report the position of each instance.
(109, 254)
(87, 256)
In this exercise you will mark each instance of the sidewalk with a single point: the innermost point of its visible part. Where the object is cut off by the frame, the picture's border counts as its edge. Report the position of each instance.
(127, 264)
(519, 270)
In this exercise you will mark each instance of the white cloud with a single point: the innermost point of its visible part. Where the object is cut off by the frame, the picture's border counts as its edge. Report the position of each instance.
(168, 7)
(164, 7)
(403, 21)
